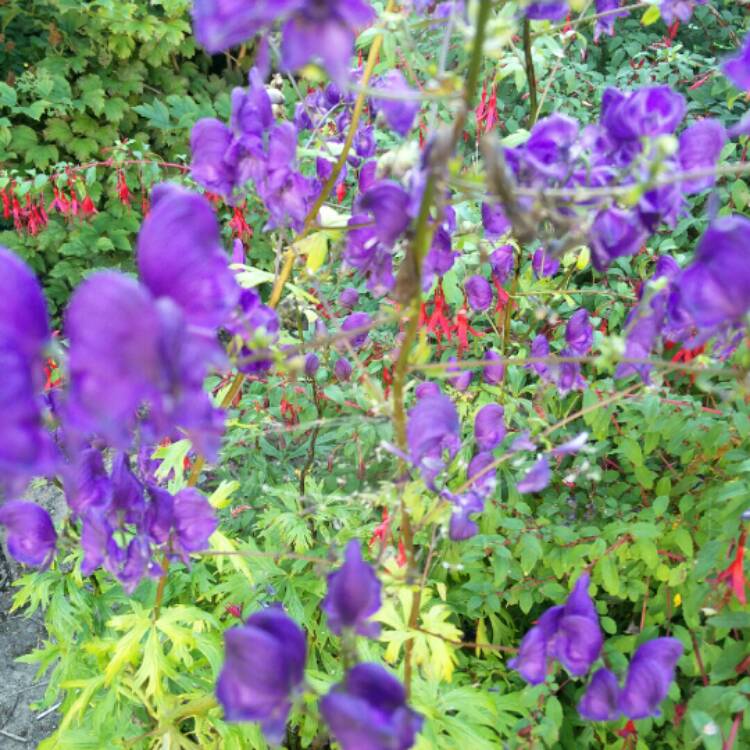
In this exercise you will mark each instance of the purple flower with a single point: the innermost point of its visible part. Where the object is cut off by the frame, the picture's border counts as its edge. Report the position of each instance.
(464, 506)
(737, 67)
(493, 374)
(349, 298)
(342, 369)
(439, 259)
(400, 111)
(312, 363)
(547, 10)
(489, 426)
(700, 147)
(368, 711)
(427, 390)
(31, 535)
(369, 255)
(606, 25)
(324, 29)
(548, 148)
(388, 203)
(263, 667)
(210, 142)
(579, 334)
(537, 477)
(180, 257)
(569, 633)
(540, 350)
(485, 481)
(647, 682)
(257, 327)
(572, 446)
(678, 10)
(353, 595)
(194, 520)
(432, 429)
(502, 262)
(495, 221)
(478, 292)
(650, 111)
(614, 232)
(460, 381)
(544, 265)
(715, 288)
(355, 322)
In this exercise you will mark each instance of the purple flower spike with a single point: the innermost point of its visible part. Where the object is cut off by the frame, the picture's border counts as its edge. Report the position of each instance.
(569, 633)
(180, 256)
(543, 264)
(537, 477)
(478, 292)
(700, 147)
(353, 595)
(494, 373)
(489, 427)
(650, 674)
(263, 668)
(342, 369)
(31, 535)
(599, 702)
(399, 113)
(737, 67)
(368, 711)
(715, 288)
(355, 322)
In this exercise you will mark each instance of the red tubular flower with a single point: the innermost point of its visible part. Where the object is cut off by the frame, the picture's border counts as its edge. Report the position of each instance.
(235, 610)
(439, 324)
(463, 329)
(382, 530)
(341, 191)
(734, 575)
(502, 295)
(6, 204)
(239, 225)
(123, 192)
(401, 557)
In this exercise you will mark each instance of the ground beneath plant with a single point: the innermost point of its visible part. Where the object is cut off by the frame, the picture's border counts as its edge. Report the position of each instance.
(22, 723)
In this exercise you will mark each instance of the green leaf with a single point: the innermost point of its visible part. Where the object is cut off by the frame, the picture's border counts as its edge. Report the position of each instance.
(651, 16)
(8, 97)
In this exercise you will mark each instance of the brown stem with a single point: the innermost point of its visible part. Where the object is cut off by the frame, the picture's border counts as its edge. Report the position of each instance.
(699, 659)
(530, 73)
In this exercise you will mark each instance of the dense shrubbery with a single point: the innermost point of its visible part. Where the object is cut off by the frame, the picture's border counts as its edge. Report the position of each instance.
(467, 411)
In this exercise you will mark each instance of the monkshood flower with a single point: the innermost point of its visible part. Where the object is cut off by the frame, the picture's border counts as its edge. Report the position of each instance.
(31, 535)
(263, 668)
(544, 264)
(489, 427)
(606, 25)
(353, 595)
(478, 293)
(342, 369)
(312, 363)
(427, 390)
(678, 10)
(493, 374)
(537, 477)
(462, 527)
(614, 232)
(483, 480)
(502, 262)
(256, 327)
(647, 682)
(440, 258)
(715, 287)
(432, 430)
(568, 633)
(737, 67)
(349, 298)
(366, 253)
(194, 522)
(461, 380)
(547, 10)
(650, 111)
(572, 446)
(700, 147)
(355, 323)
(388, 203)
(549, 146)
(399, 112)
(368, 711)
(579, 334)
(494, 220)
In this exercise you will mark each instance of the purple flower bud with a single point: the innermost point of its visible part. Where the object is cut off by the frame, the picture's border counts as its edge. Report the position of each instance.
(312, 363)
(399, 112)
(356, 322)
(368, 711)
(349, 298)
(353, 595)
(537, 477)
(489, 427)
(495, 221)
(238, 252)
(543, 264)
(342, 369)
(522, 443)
(478, 292)
(579, 334)
(263, 667)
(502, 262)
(493, 374)
(31, 535)
(427, 390)
(737, 67)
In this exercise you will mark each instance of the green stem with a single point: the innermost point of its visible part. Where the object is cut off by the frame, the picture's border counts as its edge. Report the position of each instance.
(530, 73)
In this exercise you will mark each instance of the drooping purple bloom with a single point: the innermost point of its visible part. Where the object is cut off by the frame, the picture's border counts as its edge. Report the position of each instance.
(478, 293)
(547, 10)
(494, 220)
(210, 143)
(342, 369)
(369, 255)
(502, 262)
(462, 378)
(489, 426)
(368, 711)
(263, 668)
(484, 479)
(614, 232)
(715, 288)
(606, 25)
(399, 112)
(31, 535)
(678, 10)
(544, 264)
(649, 111)
(432, 429)
(87, 483)
(194, 520)
(461, 526)
(324, 29)
(180, 257)
(737, 67)
(349, 298)
(700, 147)
(540, 350)
(548, 149)
(579, 333)
(440, 258)
(493, 374)
(356, 322)
(353, 595)
(388, 203)
(537, 477)
(569, 633)
(599, 702)
(427, 390)
(312, 363)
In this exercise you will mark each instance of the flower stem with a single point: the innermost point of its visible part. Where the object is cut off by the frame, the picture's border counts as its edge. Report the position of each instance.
(530, 72)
